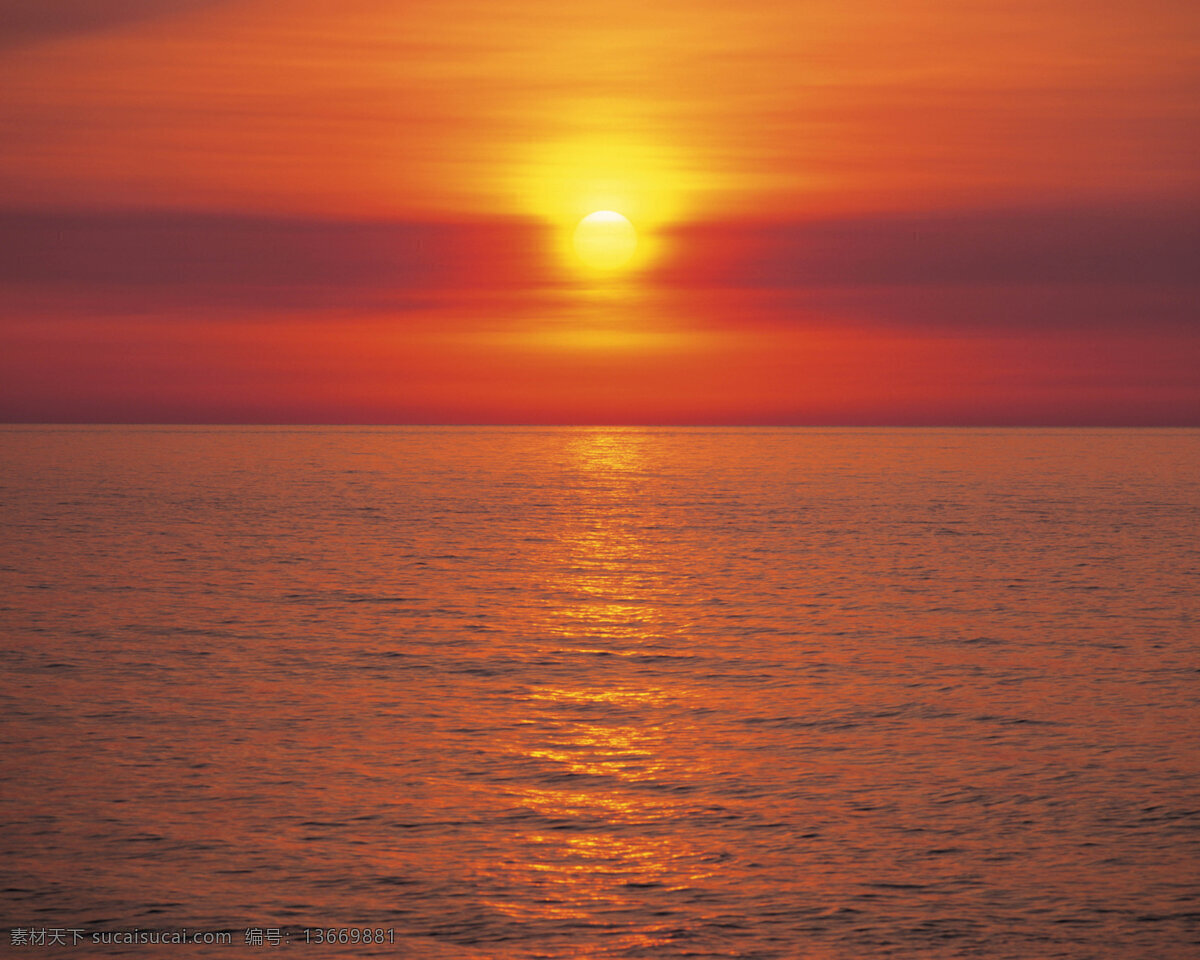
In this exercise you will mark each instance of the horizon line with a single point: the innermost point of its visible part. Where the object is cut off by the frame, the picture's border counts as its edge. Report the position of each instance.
(613, 426)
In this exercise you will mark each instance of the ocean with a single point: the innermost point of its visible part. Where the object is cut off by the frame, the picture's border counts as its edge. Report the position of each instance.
(600, 693)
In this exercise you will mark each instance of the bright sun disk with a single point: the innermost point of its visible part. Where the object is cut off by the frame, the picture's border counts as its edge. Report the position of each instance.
(605, 240)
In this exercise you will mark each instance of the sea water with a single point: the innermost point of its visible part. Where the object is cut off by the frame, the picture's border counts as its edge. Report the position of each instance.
(599, 693)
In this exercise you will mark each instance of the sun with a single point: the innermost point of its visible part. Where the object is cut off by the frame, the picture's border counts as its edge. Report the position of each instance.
(605, 240)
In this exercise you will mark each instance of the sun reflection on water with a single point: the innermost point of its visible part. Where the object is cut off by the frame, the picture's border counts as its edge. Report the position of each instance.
(612, 776)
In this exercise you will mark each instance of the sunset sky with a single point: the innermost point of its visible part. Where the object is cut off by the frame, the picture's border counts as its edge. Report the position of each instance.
(847, 211)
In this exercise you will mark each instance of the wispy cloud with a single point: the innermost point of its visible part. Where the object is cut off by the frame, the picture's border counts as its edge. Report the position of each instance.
(28, 21)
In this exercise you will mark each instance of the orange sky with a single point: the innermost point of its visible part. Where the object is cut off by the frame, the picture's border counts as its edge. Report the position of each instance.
(851, 211)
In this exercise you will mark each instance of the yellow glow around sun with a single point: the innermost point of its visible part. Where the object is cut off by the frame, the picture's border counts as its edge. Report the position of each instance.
(571, 178)
(617, 169)
(605, 240)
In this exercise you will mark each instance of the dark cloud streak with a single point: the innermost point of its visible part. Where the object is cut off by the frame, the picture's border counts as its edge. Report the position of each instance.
(171, 259)
(30, 21)
(990, 247)
(980, 271)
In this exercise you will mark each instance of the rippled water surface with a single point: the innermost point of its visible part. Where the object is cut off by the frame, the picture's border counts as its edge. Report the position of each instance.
(592, 693)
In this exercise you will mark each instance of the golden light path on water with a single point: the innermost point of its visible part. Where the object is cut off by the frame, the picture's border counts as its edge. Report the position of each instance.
(606, 605)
